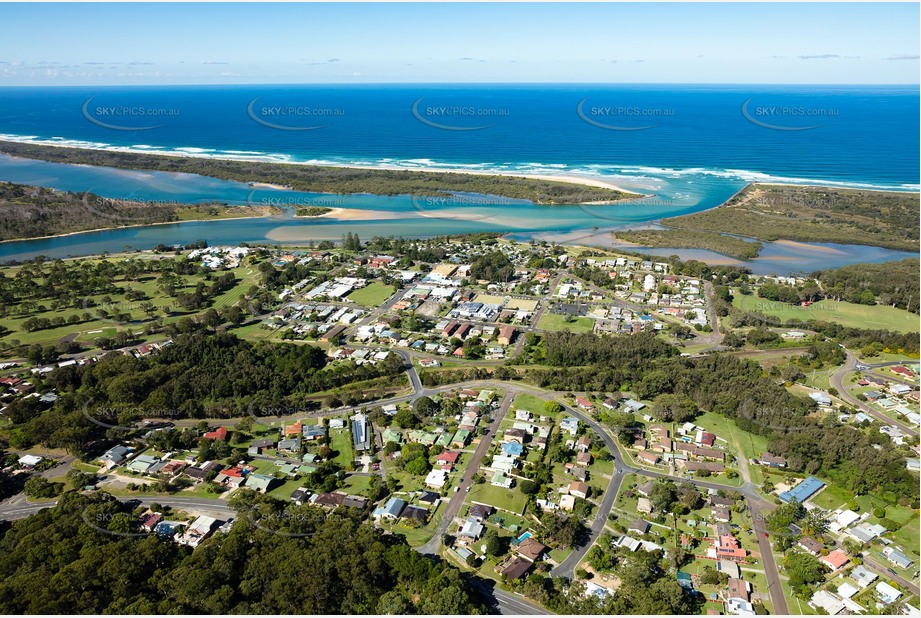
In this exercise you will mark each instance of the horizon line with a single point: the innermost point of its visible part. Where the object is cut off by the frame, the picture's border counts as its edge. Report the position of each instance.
(468, 83)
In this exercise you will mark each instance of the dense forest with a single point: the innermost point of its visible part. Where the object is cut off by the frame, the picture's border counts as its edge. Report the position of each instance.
(200, 376)
(813, 214)
(30, 212)
(323, 179)
(56, 562)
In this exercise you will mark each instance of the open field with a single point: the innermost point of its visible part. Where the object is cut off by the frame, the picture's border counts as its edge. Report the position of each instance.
(552, 321)
(846, 314)
(523, 401)
(510, 500)
(372, 295)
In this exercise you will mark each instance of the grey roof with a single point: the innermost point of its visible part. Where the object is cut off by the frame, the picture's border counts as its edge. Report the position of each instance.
(394, 507)
(116, 454)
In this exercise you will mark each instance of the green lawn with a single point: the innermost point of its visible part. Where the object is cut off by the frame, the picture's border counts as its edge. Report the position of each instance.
(847, 314)
(340, 440)
(523, 401)
(372, 295)
(357, 485)
(752, 445)
(550, 321)
(508, 499)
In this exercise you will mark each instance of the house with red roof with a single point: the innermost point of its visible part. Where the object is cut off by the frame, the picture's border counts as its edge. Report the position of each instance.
(729, 548)
(218, 434)
(585, 404)
(449, 457)
(705, 438)
(835, 559)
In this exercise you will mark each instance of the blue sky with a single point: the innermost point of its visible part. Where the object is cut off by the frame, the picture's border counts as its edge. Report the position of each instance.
(138, 44)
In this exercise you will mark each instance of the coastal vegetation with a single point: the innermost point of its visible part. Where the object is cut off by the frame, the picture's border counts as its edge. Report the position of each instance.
(689, 239)
(312, 211)
(30, 212)
(811, 214)
(328, 179)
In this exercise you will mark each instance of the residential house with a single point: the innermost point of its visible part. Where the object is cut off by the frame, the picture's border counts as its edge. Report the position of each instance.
(774, 461)
(835, 559)
(514, 567)
(200, 530)
(640, 526)
(471, 529)
(579, 489)
(531, 549)
(391, 510)
(810, 545)
(218, 434)
(480, 511)
(259, 482)
(739, 589)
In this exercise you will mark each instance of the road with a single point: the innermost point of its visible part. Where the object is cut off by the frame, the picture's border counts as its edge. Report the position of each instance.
(756, 505)
(458, 497)
(884, 570)
(837, 382)
(505, 602)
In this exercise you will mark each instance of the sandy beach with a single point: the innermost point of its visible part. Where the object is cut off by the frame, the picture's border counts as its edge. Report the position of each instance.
(568, 178)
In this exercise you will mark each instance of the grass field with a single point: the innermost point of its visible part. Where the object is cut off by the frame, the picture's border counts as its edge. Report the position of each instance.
(846, 314)
(340, 440)
(750, 444)
(523, 401)
(508, 499)
(99, 326)
(551, 321)
(372, 295)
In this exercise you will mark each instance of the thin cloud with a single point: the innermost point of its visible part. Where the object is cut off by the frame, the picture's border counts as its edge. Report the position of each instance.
(819, 57)
(903, 57)
(215, 62)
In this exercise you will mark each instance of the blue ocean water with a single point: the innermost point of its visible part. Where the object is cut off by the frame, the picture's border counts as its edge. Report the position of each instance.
(862, 135)
(687, 148)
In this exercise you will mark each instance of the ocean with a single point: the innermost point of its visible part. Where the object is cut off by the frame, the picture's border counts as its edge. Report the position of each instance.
(688, 146)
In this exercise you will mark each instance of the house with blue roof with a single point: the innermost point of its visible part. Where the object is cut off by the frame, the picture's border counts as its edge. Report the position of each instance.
(804, 490)
(513, 449)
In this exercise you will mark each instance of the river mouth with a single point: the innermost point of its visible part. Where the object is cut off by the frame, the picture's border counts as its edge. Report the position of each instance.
(398, 216)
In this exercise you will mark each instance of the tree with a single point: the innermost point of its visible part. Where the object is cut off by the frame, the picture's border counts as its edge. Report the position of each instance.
(552, 408)
(405, 419)
(38, 487)
(803, 568)
(425, 406)
(527, 487)
(670, 408)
